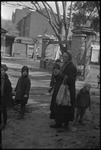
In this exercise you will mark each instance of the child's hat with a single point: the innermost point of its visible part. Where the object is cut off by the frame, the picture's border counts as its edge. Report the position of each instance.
(25, 68)
(3, 66)
(87, 84)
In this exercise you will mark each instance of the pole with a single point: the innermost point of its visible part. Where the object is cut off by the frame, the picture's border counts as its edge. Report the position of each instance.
(85, 58)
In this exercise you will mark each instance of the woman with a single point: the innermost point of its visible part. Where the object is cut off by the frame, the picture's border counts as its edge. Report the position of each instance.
(64, 114)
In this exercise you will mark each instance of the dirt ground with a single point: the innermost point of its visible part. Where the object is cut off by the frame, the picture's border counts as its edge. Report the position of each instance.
(34, 130)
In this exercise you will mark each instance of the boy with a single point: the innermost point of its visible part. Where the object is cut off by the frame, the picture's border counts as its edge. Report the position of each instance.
(52, 82)
(22, 91)
(6, 94)
(83, 102)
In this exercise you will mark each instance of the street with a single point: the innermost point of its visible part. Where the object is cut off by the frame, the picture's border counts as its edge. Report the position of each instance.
(34, 131)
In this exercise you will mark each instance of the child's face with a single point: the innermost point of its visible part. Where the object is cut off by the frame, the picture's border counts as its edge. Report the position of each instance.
(87, 88)
(24, 73)
(58, 63)
(3, 72)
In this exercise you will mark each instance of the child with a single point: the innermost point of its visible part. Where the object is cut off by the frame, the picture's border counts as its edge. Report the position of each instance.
(83, 102)
(22, 91)
(52, 82)
(6, 94)
(98, 77)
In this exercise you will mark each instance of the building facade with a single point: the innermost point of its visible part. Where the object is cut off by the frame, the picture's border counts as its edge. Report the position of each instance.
(19, 14)
(34, 24)
(31, 23)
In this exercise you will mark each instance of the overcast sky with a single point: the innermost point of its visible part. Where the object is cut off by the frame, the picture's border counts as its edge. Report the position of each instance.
(6, 11)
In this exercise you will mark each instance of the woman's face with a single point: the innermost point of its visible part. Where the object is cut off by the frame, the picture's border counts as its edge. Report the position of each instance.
(65, 57)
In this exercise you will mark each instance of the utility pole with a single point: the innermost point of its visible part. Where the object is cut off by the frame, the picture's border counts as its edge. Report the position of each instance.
(85, 58)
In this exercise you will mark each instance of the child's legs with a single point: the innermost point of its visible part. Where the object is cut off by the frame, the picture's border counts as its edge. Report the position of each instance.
(4, 112)
(83, 110)
(22, 109)
(78, 112)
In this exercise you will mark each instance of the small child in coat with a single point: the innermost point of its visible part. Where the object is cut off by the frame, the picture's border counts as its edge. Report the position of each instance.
(6, 95)
(52, 82)
(22, 91)
(83, 102)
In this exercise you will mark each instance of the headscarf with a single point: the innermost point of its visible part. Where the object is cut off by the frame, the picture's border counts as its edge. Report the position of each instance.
(69, 60)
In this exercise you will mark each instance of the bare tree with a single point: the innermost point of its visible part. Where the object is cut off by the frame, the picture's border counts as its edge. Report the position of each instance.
(59, 23)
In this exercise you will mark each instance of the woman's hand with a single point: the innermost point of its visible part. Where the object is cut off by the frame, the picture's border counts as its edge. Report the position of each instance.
(13, 93)
(25, 96)
(65, 79)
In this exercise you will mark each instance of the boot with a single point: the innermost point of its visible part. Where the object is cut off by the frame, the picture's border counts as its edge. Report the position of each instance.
(56, 125)
(66, 125)
(21, 116)
(16, 116)
(3, 126)
(81, 122)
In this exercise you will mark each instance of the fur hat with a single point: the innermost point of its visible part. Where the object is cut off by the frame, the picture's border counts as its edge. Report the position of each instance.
(25, 68)
(3, 66)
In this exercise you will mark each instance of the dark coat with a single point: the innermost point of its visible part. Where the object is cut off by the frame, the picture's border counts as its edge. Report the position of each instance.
(7, 98)
(53, 81)
(22, 88)
(83, 99)
(71, 72)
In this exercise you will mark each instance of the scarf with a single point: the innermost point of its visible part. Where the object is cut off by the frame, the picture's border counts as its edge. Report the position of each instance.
(64, 66)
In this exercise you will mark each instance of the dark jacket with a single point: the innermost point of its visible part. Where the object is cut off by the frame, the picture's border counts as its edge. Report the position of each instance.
(83, 99)
(22, 87)
(7, 90)
(53, 81)
(71, 73)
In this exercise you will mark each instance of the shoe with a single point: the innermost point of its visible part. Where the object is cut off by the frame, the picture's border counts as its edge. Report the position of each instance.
(17, 115)
(66, 125)
(3, 127)
(52, 116)
(81, 122)
(20, 117)
(49, 91)
(56, 126)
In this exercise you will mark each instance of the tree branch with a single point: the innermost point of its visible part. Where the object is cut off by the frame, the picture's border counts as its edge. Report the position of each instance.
(49, 15)
(52, 12)
(58, 12)
(64, 4)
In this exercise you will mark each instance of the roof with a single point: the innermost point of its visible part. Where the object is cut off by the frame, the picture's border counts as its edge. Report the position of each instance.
(3, 30)
(24, 38)
(47, 36)
(10, 35)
